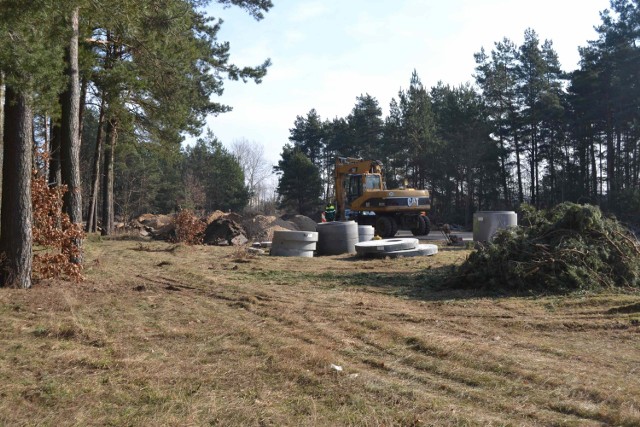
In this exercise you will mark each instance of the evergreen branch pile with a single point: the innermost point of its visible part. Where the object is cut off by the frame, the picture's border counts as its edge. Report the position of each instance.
(569, 247)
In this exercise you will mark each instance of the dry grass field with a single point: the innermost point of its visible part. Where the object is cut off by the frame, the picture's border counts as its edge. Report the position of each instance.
(166, 335)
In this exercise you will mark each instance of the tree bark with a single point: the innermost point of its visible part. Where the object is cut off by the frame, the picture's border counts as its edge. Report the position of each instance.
(518, 169)
(55, 173)
(83, 106)
(46, 148)
(16, 223)
(70, 135)
(92, 214)
(594, 170)
(2, 96)
(107, 186)
(504, 172)
(612, 187)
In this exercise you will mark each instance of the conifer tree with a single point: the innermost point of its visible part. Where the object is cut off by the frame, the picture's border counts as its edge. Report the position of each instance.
(30, 61)
(299, 183)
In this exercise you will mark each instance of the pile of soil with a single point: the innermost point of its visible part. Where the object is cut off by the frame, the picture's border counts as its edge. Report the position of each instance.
(569, 247)
(224, 231)
(225, 228)
(159, 227)
(261, 228)
(304, 223)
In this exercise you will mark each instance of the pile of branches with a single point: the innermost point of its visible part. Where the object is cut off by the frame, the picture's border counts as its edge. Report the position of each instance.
(569, 247)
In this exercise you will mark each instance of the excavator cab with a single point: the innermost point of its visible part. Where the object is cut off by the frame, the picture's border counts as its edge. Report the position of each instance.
(357, 184)
(354, 188)
(373, 182)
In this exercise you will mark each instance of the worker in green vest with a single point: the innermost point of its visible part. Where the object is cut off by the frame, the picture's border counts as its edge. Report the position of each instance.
(330, 212)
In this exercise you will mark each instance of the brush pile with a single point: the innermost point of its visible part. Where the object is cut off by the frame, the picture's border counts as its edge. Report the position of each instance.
(569, 247)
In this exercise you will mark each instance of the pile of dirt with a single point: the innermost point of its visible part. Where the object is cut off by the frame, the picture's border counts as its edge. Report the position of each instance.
(224, 231)
(159, 227)
(214, 215)
(567, 248)
(304, 223)
(225, 227)
(261, 228)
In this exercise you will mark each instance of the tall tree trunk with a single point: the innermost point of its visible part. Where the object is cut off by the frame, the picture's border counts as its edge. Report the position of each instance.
(594, 170)
(83, 106)
(611, 171)
(503, 171)
(15, 227)
(2, 95)
(107, 186)
(518, 168)
(92, 214)
(55, 173)
(46, 148)
(70, 141)
(634, 167)
(532, 173)
(554, 179)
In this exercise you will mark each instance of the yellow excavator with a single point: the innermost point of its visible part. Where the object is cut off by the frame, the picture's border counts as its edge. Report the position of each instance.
(361, 195)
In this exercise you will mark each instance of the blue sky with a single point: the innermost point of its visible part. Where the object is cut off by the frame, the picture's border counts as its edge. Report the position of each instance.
(325, 53)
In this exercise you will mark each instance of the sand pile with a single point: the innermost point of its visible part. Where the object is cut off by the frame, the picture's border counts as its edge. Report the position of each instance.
(261, 228)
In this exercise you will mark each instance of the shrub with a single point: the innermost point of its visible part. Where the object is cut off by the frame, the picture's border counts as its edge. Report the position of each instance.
(188, 228)
(56, 239)
(569, 247)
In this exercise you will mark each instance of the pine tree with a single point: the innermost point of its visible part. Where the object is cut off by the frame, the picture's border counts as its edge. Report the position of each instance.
(418, 129)
(219, 174)
(299, 183)
(163, 64)
(495, 74)
(30, 59)
(70, 132)
(366, 127)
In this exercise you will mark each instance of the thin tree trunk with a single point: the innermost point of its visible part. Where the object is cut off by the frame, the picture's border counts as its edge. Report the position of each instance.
(47, 144)
(2, 96)
(83, 105)
(518, 169)
(611, 164)
(552, 174)
(15, 226)
(594, 170)
(70, 141)
(503, 170)
(55, 173)
(532, 176)
(92, 215)
(107, 186)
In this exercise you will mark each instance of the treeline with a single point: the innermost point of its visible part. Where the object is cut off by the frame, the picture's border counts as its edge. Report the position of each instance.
(526, 131)
(96, 90)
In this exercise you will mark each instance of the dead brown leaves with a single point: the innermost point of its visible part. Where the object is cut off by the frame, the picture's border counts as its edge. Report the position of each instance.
(189, 229)
(56, 239)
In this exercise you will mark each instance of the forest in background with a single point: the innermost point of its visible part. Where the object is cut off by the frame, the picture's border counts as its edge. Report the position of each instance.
(98, 99)
(122, 83)
(526, 131)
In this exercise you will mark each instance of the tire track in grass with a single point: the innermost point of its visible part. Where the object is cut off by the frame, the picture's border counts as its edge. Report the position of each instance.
(308, 331)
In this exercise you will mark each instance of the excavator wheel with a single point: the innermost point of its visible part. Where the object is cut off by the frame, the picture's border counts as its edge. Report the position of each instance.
(423, 228)
(427, 225)
(386, 227)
